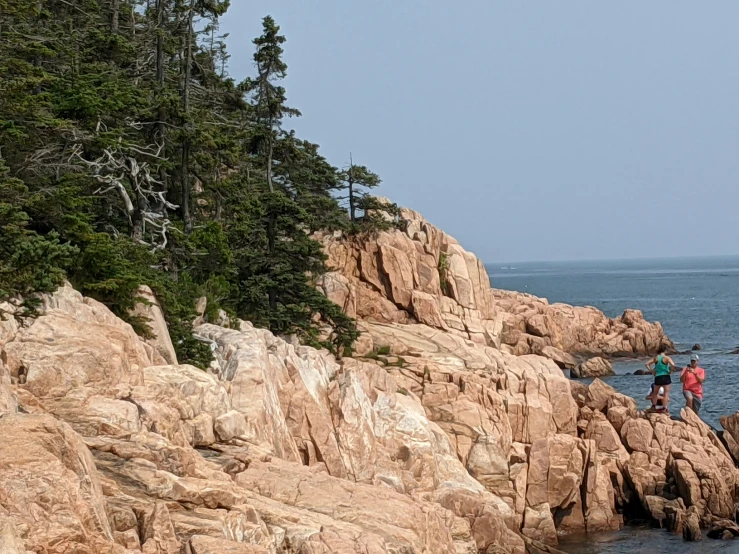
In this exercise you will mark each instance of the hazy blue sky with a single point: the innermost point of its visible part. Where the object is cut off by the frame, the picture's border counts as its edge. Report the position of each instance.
(527, 130)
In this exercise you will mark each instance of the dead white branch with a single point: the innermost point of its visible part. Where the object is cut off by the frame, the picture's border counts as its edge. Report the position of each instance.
(120, 169)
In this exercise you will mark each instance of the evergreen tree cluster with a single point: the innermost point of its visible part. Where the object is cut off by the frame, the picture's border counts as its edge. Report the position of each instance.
(129, 156)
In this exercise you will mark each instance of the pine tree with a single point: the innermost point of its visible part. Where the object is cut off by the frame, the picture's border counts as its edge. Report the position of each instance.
(269, 99)
(267, 96)
(311, 181)
(358, 180)
(129, 156)
(29, 262)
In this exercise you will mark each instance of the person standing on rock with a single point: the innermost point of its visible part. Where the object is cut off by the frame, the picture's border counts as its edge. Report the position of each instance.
(692, 378)
(658, 405)
(661, 366)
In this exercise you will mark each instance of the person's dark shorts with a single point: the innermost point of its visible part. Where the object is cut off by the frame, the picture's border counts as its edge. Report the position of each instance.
(662, 380)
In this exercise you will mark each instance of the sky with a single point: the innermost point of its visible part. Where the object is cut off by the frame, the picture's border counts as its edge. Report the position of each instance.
(529, 131)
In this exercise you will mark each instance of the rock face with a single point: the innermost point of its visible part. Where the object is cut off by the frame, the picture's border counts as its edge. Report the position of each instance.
(594, 367)
(107, 449)
(436, 439)
(442, 445)
(422, 275)
(674, 465)
(731, 434)
(151, 314)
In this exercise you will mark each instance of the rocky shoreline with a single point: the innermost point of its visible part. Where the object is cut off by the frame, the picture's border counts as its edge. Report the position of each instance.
(451, 428)
(423, 276)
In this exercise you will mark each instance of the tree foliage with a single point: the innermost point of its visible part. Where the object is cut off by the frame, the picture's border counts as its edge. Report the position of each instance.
(366, 212)
(129, 156)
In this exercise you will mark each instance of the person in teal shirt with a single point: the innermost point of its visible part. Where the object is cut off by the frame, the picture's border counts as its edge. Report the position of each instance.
(661, 366)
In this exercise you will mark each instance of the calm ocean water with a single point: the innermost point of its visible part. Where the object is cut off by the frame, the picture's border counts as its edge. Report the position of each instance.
(696, 300)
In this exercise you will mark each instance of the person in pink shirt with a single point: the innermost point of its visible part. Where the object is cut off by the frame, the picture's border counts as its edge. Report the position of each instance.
(692, 378)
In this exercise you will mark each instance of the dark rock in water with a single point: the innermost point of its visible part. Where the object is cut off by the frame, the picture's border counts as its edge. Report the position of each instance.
(735, 351)
(696, 347)
(628, 374)
(641, 372)
(723, 529)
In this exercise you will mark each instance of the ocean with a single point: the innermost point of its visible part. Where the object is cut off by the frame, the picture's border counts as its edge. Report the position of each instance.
(697, 302)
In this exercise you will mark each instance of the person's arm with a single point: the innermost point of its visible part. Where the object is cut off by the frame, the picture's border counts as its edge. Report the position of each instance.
(700, 376)
(649, 365)
(683, 374)
(669, 362)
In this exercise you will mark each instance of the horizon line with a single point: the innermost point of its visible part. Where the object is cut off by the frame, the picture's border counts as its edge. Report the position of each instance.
(636, 259)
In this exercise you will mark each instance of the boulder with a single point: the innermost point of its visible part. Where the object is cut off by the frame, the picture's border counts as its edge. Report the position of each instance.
(76, 341)
(150, 313)
(51, 487)
(539, 525)
(605, 438)
(594, 367)
(562, 359)
(731, 434)
(556, 469)
(679, 461)
(723, 529)
(600, 512)
(230, 425)
(637, 435)
(426, 309)
(598, 395)
(692, 526)
(579, 392)
(620, 408)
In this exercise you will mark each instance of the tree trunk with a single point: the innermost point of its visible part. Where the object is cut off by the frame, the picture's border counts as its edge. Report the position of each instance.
(160, 139)
(114, 15)
(187, 218)
(271, 240)
(137, 219)
(219, 206)
(271, 222)
(269, 158)
(352, 208)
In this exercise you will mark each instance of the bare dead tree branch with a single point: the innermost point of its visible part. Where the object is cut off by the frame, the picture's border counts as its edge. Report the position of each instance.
(119, 169)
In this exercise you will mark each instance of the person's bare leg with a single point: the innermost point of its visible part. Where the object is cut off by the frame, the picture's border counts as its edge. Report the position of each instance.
(652, 397)
(666, 400)
(689, 402)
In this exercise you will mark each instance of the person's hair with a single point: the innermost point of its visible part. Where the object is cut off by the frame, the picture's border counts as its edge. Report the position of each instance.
(662, 349)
